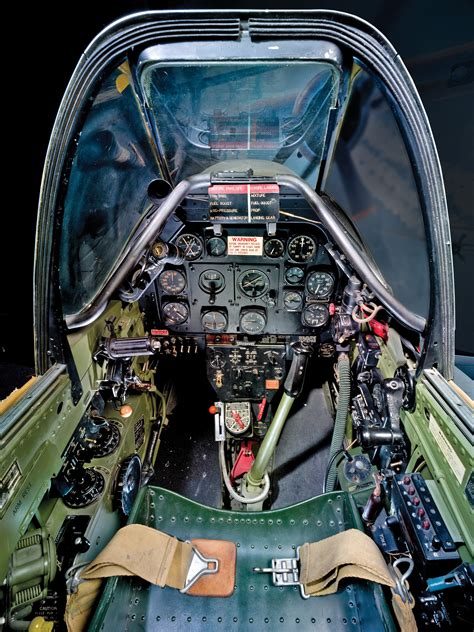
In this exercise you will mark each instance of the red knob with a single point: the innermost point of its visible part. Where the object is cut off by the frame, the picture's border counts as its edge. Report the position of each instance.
(416, 501)
(406, 480)
(411, 490)
(212, 410)
(425, 524)
(421, 512)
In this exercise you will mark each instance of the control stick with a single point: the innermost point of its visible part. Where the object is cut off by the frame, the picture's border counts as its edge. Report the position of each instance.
(292, 389)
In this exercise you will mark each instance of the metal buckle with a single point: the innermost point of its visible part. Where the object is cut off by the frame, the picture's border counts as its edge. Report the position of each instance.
(73, 577)
(199, 567)
(401, 585)
(285, 572)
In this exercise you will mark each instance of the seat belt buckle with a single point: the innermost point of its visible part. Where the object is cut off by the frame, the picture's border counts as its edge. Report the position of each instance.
(73, 577)
(285, 572)
(199, 567)
(401, 587)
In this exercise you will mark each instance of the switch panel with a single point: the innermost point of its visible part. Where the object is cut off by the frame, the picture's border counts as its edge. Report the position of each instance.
(425, 530)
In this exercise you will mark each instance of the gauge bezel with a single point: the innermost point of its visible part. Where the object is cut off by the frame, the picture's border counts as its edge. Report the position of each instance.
(310, 306)
(305, 259)
(214, 311)
(209, 290)
(300, 281)
(217, 353)
(248, 414)
(327, 294)
(269, 241)
(253, 271)
(220, 240)
(293, 309)
(172, 271)
(198, 240)
(256, 312)
(172, 322)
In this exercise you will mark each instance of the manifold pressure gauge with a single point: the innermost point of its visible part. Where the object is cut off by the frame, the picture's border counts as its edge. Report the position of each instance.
(237, 417)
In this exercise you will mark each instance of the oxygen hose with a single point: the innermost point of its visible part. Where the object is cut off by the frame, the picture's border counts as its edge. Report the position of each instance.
(344, 370)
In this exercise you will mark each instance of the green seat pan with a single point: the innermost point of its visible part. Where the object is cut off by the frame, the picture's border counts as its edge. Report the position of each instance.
(132, 604)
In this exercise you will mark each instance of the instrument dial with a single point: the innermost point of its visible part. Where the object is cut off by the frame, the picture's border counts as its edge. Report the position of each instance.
(315, 315)
(211, 281)
(254, 283)
(253, 322)
(217, 359)
(214, 321)
(320, 284)
(292, 300)
(294, 275)
(301, 248)
(172, 281)
(216, 246)
(175, 313)
(237, 417)
(191, 245)
(274, 248)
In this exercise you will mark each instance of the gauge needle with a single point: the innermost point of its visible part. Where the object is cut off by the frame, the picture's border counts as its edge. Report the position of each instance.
(237, 418)
(252, 282)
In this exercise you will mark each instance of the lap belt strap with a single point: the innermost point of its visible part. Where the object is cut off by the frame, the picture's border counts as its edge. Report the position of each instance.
(137, 550)
(320, 566)
(163, 560)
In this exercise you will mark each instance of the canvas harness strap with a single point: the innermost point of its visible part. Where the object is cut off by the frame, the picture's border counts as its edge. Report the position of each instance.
(165, 561)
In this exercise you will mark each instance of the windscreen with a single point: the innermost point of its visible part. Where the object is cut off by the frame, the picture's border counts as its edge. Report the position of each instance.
(107, 190)
(209, 112)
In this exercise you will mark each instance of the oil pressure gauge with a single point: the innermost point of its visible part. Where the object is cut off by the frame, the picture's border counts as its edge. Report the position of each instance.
(237, 417)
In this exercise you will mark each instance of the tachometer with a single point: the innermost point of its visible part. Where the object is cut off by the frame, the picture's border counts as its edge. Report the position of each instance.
(315, 315)
(253, 283)
(191, 245)
(320, 284)
(301, 248)
(172, 281)
(175, 313)
(274, 248)
(253, 322)
(214, 320)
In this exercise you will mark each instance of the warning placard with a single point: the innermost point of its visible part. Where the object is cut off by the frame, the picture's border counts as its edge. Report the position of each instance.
(244, 246)
(244, 202)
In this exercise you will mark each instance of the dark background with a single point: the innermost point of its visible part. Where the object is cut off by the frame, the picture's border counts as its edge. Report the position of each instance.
(433, 38)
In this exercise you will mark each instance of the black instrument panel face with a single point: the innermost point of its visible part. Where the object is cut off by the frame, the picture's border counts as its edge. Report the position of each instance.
(245, 281)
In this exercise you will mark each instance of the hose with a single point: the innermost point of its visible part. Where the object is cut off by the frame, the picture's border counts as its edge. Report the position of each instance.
(241, 499)
(344, 369)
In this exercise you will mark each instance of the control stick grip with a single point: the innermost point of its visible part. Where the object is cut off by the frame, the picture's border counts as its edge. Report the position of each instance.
(295, 378)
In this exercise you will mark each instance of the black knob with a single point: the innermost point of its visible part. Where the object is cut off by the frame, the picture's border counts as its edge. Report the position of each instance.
(392, 523)
(435, 543)
(82, 544)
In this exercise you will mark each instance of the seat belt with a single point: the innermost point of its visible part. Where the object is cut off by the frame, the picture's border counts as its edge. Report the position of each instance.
(320, 566)
(163, 560)
(158, 558)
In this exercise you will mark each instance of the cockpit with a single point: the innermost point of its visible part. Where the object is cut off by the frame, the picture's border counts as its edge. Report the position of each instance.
(240, 314)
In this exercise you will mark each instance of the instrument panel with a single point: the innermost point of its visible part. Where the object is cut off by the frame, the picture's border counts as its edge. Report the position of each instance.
(244, 281)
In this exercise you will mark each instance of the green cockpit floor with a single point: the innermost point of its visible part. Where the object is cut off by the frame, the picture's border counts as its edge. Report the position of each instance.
(132, 604)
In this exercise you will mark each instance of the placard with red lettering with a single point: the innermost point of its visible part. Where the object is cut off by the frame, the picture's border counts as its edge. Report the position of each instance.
(244, 202)
(244, 245)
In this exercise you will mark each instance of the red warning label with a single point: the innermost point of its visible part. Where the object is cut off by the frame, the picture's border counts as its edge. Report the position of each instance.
(241, 245)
